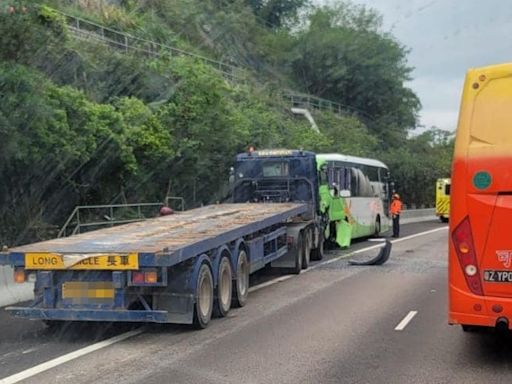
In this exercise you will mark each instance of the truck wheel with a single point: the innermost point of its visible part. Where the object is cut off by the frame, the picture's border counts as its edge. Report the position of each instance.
(299, 255)
(241, 284)
(307, 249)
(54, 325)
(318, 253)
(222, 303)
(204, 301)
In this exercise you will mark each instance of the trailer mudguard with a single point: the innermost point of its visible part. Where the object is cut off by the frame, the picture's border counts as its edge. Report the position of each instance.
(288, 260)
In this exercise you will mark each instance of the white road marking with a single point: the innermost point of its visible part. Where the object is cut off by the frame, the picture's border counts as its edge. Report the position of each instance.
(270, 282)
(419, 234)
(29, 350)
(17, 377)
(406, 320)
(344, 256)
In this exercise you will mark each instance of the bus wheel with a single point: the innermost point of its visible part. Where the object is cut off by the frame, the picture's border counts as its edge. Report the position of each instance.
(318, 253)
(241, 284)
(307, 249)
(204, 302)
(377, 227)
(222, 302)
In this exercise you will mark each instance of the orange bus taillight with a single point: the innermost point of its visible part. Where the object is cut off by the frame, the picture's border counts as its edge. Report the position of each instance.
(463, 241)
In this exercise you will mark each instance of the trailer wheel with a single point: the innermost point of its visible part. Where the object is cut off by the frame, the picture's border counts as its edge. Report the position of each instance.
(299, 254)
(204, 302)
(241, 284)
(307, 249)
(54, 325)
(222, 302)
(318, 253)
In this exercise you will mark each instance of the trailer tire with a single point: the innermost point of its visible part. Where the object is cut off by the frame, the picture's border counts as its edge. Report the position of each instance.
(299, 255)
(203, 307)
(306, 255)
(241, 283)
(224, 289)
(54, 325)
(318, 253)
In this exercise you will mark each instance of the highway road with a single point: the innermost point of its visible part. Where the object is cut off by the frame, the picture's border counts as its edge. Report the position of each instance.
(335, 323)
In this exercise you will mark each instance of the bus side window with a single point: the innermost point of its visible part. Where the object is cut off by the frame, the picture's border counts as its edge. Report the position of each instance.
(345, 179)
(365, 189)
(354, 182)
(323, 175)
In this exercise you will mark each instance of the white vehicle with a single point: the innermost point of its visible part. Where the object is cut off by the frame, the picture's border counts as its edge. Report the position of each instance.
(364, 185)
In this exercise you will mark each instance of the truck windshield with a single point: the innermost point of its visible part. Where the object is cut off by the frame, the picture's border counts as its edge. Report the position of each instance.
(275, 169)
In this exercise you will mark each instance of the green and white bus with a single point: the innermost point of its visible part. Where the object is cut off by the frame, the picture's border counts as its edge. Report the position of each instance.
(362, 184)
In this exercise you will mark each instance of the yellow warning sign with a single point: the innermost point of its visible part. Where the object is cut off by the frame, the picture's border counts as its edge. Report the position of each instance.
(51, 261)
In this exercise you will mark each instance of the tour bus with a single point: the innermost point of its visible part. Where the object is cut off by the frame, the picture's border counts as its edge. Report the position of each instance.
(364, 185)
(443, 187)
(480, 243)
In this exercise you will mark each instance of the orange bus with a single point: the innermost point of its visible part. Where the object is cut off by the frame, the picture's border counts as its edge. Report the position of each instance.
(480, 237)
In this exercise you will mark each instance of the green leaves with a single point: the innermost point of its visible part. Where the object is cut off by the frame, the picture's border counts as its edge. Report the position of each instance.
(343, 56)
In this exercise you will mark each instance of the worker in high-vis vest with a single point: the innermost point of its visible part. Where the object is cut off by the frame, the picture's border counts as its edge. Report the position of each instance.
(395, 209)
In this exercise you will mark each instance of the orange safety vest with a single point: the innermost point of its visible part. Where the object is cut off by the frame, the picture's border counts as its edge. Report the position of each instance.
(396, 207)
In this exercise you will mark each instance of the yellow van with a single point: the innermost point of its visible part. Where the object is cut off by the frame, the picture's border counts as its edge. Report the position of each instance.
(443, 199)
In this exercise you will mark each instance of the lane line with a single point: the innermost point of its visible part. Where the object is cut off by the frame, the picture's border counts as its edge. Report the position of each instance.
(17, 377)
(344, 256)
(419, 234)
(270, 282)
(406, 320)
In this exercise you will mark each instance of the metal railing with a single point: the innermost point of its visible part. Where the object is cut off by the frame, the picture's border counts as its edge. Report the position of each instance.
(317, 103)
(96, 216)
(87, 30)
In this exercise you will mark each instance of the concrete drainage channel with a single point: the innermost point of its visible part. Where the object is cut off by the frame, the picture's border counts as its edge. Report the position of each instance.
(12, 293)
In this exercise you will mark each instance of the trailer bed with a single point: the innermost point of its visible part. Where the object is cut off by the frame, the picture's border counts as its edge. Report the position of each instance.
(167, 240)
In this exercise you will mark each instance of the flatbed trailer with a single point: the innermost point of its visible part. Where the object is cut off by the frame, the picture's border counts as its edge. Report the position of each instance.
(180, 268)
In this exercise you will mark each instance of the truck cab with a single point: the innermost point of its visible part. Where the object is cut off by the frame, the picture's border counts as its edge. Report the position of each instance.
(285, 176)
(277, 176)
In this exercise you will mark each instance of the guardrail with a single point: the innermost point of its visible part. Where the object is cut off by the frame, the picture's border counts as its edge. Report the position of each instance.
(317, 103)
(417, 215)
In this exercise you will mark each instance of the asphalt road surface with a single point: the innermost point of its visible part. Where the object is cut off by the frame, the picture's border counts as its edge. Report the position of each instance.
(335, 323)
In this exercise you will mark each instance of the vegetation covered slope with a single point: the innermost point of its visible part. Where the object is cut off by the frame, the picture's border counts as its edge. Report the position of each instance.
(81, 123)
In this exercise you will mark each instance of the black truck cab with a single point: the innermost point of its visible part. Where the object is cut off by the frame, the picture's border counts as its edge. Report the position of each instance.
(277, 176)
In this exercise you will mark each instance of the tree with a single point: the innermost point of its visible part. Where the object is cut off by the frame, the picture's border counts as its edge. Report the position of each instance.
(275, 13)
(416, 165)
(343, 56)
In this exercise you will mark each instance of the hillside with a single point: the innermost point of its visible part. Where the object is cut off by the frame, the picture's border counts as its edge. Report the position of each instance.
(86, 123)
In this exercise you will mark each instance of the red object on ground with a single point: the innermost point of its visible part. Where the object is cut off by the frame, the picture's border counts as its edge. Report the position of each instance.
(164, 211)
